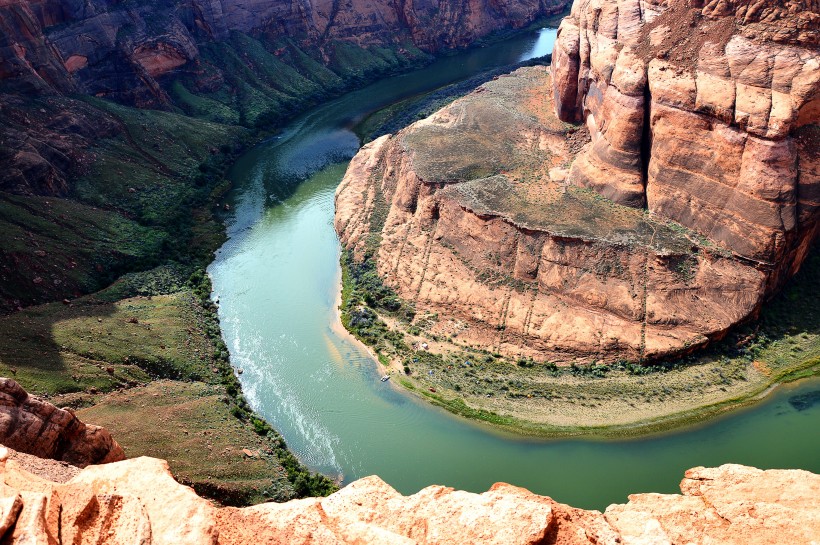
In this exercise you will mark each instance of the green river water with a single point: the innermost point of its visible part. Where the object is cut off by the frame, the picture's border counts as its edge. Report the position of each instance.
(277, 278)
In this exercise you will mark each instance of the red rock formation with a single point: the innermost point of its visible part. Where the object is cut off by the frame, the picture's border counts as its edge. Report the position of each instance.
(483, 231)
(713, 133)
(137, 501)
(37, 427)
(47, 44)
(709, 125)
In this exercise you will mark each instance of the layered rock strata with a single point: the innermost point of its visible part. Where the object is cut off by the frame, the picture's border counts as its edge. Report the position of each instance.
(694, 198)
(104, 48)
(33, 426)
(137, 501)
(703, 114)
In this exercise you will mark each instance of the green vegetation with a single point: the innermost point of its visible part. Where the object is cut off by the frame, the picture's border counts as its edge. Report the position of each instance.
(261, 83)
(364, 297)
(132, 224)
(152, 367)
(142, 197)
(138, 221)
(783, 345)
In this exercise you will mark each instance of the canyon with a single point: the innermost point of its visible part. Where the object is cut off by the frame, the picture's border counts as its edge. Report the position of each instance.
(119, 51)
(634, 202)
(618, 209)
(220, 65)
(118, 123)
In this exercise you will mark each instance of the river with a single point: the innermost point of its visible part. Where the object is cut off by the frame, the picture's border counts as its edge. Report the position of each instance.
(277, 278)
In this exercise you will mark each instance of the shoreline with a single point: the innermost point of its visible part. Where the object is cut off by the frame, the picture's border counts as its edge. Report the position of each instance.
(639, 429)
(748, 386)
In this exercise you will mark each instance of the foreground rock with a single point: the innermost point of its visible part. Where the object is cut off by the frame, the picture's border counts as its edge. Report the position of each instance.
(695, 195)
(34, 426)
(137, 501)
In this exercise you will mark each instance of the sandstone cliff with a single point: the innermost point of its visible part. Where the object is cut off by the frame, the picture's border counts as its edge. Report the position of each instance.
(36, 427)
(684, 202)
(704, 116)
(137, 501)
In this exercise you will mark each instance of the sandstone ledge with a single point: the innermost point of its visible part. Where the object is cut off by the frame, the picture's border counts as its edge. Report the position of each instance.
(37, 427)
(137, 501)
(476, 222)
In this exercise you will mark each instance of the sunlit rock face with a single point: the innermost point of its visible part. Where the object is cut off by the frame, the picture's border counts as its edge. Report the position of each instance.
(703, 112)
(660, 190)
(137, 501)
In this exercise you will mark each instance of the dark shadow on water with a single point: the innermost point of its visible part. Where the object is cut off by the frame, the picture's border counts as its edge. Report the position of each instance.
(804, 402)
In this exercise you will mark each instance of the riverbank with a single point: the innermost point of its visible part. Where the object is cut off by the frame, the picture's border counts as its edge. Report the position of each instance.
(541, 399)
(178, 383)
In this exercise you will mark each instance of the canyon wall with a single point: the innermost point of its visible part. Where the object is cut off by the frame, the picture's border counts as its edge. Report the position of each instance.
(236, 63)
(703, 114)
(117, 50)
(137, 501)
(685, 200)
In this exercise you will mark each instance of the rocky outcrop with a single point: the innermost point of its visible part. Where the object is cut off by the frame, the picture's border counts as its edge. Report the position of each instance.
(34, 426)
(482, 229)
(695, 197)
(137, 501)
(703, 115)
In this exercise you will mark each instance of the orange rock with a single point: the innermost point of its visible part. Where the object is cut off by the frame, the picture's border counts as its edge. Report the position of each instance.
(37, 427)
(703, 145)
(137, 501)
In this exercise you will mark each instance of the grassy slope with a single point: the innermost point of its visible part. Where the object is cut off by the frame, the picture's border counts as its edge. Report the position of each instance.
(263, 83)
(142, 197)
(144, 204)
(154, 370)
(140, 215)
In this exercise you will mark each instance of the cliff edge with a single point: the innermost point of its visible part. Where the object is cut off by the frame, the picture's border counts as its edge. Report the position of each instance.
(137, 501)
(685, 200)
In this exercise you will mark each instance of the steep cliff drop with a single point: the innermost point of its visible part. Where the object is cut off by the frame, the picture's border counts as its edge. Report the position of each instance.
(695, 197)
(137, 501)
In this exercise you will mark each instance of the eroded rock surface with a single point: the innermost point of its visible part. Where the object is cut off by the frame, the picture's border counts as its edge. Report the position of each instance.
(694, 198)
(34, 426)
(137, 501)
(704, 116)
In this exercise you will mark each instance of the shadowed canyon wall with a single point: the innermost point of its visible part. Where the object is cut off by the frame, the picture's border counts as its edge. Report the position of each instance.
(194, 69)
(120, 50)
